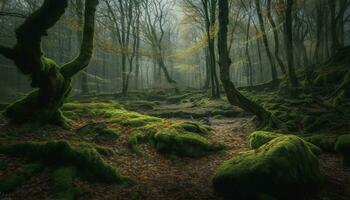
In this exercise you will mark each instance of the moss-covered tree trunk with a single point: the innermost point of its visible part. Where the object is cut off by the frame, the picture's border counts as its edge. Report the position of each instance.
(233, 95)
(52, 83)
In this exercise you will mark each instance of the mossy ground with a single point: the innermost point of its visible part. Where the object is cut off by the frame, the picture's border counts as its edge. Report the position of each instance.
(166, 157)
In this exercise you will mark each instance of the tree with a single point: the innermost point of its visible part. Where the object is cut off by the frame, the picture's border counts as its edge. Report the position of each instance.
(233, 95)
(52, 83)
(276, 38)
(288, 32)
(156, 16)
(266, 43)
(205, 10)
(122, 30)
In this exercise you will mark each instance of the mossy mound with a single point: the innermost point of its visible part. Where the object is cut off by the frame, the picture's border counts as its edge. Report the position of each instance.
(186, 138)
(284, 167)
(259, 138)
(173, 142)
(192, 126)
(63, 186)
(88, 161)
(98, 132)
(325, 142)
(17, 179)
(135, 138)
(343, 146)
(78, 109)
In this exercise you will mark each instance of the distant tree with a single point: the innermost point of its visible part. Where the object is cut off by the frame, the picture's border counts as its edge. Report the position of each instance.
(52, 83)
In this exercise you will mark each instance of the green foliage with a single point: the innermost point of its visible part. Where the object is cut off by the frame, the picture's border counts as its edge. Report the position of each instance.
(89, 163)
(63, 188)
(15, 180)
(343, 146)
(284, 167)
(98, 132)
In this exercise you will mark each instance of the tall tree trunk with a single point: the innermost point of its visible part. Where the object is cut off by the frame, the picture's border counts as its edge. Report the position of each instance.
(250, 67)
(233, 95)
(84, 74)
(275, 36)
(334, 34)
(207, 69)
(266, 43)
(52, 83)
(290, 47)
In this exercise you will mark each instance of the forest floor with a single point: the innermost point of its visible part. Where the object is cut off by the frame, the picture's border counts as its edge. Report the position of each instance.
(159, 176)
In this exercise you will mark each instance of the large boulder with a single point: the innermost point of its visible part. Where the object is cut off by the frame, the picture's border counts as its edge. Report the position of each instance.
(283, 168)
(259, 138)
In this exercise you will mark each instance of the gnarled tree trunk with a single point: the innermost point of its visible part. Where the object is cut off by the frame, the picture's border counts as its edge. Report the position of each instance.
(52, 83)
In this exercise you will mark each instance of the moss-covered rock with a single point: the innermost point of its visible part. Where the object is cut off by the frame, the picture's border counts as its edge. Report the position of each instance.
(98, 132)
(17, 179)
(343, 146)
(63, 188)
(284, 167)
(170, 141)
(88, 161)
(326, 143)
(192, 126)
(259, 138)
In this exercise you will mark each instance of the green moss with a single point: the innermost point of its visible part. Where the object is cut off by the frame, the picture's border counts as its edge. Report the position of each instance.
(259, 138)
(192, 126)
(15, 180)
(63, 188)
(141, 121)
(170, 141)
(343, 146)
(282, 168)
(135, 138)
(88, 161)
(98, 132)
(326, 143)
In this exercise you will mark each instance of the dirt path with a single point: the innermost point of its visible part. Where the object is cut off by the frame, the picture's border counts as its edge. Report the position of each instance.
(159, 177)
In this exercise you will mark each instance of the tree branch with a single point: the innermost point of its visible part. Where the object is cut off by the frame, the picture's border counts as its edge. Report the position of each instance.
(87, 46)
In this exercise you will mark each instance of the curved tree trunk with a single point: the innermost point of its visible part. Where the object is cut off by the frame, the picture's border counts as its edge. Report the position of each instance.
(233, 95)
(52, 83)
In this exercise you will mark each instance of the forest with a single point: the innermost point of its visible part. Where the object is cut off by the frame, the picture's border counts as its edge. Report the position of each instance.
(175, 100)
